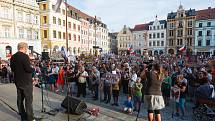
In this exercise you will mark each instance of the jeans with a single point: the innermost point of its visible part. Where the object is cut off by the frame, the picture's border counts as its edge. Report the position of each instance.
(107, 95)
(27, 95)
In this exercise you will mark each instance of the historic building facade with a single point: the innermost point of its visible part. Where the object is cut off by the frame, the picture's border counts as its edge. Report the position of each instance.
(125, 40)
(205, 32)
(19, 22)
(157, 37)
(140, 36)
(80, 26)
(53, 28)
(180, 30)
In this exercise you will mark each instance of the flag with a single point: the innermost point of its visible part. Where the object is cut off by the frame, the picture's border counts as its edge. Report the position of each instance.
(182, 49)
(64, 53)
(57, 5)
(130, 48)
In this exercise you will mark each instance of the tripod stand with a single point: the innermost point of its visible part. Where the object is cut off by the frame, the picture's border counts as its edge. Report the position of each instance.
(68, 92)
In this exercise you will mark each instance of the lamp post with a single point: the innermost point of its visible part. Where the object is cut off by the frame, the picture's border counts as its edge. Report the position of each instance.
(96, 23)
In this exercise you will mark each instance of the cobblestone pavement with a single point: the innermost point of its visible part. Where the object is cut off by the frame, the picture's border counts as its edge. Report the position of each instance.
(166, 112)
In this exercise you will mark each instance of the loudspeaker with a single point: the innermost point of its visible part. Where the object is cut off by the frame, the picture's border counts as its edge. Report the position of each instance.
(76, 106)
(45, 56)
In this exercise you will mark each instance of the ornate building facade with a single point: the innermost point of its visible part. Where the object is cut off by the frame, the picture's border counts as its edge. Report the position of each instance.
(125, 40)
(157, 37)
(180, 30)
(19, 22)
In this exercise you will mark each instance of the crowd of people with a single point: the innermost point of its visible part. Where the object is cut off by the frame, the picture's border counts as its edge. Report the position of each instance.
(152, 82)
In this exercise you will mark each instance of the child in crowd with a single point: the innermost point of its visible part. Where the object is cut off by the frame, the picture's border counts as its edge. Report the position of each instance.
(128, 105)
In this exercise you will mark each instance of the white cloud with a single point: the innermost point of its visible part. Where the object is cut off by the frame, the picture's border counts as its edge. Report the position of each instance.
(116, 13)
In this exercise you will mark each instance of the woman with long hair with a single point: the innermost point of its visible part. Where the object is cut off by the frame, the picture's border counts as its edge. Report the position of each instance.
(153, 99)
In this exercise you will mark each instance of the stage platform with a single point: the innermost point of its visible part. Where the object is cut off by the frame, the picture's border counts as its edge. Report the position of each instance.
(52, 102)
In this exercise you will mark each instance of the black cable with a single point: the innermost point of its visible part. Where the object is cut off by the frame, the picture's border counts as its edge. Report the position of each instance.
(9, 106)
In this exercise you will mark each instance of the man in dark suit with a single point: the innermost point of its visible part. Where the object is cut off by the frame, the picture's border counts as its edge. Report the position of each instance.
(21, 67)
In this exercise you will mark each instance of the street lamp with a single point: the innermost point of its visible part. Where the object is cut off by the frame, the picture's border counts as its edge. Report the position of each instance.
(95, 47)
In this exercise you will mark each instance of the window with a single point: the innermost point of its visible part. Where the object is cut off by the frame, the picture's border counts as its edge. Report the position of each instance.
(150, 28)
(59, 35)
(44, 6)
(158, 43)
(189, 41)
(171, 42)
(171, 25)
(20, 16)
(70, 25)
(44, 19)
(45, 34)
(21, 32)
(54, 20)
(199, 42)
(180, 24)
(158, 35)
(64, 23)
(179, 42)
(29, 34)
(158, 27)
(59, 21)
(154, 27)
(162, 35)
(36, 35)
(190, 32)
(6, 30)
(54, 34)
(74, 37)
(162, 43)
(79, 28)
(28, 18)
(171, 33)
(150, 36)
(208, 33)
(162, 27)
(181, 15)
(153, 43)
(64, 35)
(63, 11)
(74, 26)
(70, 37)
(79, 38)
(150, 43)
(180, 32)
(190, 23)
(36, 20)
(208, 42)
(208, 24)
(200, 25)
(6, 12)
(200, 33)
(154, 35)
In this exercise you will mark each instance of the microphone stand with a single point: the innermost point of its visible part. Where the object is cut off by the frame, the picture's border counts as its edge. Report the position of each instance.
(68, 92)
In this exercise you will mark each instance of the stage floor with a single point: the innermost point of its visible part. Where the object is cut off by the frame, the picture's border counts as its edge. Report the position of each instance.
(52, 101)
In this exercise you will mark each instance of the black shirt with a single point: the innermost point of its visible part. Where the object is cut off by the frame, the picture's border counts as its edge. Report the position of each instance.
(21, 67)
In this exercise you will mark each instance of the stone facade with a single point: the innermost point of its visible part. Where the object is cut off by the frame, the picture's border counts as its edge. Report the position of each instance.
(180, 30)
(19, 22)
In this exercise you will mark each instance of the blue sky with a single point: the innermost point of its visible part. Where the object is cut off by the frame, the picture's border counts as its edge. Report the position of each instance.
(116, 13)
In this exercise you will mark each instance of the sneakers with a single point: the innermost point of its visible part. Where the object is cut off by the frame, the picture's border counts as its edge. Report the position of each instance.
(176, 115)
